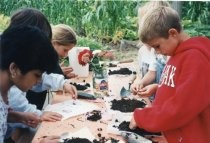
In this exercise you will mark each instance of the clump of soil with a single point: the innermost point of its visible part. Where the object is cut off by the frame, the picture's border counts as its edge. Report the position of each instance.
(112, 65)
(104, 140)
(84, 140)
(127, 105)
(77, 140)
(124, 126)
(124, 71)
(80, 87)
(95, 115)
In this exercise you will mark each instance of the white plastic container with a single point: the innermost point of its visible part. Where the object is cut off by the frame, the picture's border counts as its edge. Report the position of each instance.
(81, 71)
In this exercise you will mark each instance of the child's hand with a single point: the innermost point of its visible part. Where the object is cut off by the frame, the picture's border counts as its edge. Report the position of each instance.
(50, 116)
(68, 71)
(135, 87)
(71, 75)
(132, 125)
(69, 88)
(30, 119)
(147, 90)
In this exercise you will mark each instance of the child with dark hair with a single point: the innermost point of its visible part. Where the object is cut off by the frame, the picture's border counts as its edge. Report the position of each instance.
(33, 17)
(37, 95)
(55, 81)
(23, 53)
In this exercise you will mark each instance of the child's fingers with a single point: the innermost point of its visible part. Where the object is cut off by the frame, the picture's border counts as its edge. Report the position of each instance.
(62, 63)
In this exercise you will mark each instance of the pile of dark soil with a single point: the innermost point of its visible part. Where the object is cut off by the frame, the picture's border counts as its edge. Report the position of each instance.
(123, 71)
(95, 115)
(80, 87)
(127, 105)
(77, 140)
(124, 126)
(104, 140)
(84, 140)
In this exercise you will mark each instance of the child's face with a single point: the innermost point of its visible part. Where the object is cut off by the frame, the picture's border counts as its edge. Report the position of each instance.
(164, 46)
(25, 81)
(63, 50)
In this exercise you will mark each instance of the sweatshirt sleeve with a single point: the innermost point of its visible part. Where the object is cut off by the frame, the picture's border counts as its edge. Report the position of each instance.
(50, 81)
(18, 102)
(190, 98)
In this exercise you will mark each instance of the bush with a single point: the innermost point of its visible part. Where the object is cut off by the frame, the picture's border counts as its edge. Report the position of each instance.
(86, 42)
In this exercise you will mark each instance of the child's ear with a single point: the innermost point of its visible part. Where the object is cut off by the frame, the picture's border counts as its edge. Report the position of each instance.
(173, 32)
(13, 69)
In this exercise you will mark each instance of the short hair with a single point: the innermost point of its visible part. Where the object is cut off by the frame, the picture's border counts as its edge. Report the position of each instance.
(63, 34)
(157, 22)
(29, 48)
(150, 5)
(31, 17)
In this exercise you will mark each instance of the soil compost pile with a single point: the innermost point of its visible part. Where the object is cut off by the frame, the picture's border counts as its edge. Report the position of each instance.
(95, 115)
(123, 71)
(84, 140)
(77, 140)
(80, 87)
(124, 126)
(127, 105)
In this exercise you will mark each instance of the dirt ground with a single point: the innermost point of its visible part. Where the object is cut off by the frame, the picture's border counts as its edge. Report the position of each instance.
(126, 54)
(125, 50)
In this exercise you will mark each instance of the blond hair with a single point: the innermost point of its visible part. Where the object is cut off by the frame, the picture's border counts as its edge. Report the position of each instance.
(148, 6)
(63, 35)
(157, 22)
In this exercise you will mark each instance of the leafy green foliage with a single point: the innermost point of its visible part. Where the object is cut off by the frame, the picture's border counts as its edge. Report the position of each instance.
(196, 18)
(86, 42)
(197, 11)
(95, 65)
(196, 29)
(104, 19)
(93, 18)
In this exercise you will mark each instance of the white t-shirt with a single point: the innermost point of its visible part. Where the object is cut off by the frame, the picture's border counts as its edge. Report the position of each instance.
(144, 60)
(149, 60)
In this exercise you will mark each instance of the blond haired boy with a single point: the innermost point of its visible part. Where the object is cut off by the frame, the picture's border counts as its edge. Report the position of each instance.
(181, 109)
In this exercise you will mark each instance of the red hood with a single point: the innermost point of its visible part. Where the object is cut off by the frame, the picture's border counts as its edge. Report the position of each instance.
(197, 42)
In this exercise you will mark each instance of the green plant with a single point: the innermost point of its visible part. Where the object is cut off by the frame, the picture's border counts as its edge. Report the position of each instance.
(86, 42)
(95, 65)
(197, 11)
(196, 28)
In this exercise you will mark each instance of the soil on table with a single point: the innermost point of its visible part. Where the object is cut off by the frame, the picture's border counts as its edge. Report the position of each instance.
(77, 140)
(95, 115)
(127, 105)
(124, 126)
(123, 71)
(80, 87)
(84, 140)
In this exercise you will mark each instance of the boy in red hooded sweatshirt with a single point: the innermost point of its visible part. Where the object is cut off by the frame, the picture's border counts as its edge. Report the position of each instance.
(181, 109)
